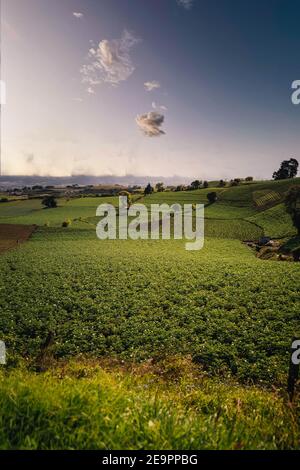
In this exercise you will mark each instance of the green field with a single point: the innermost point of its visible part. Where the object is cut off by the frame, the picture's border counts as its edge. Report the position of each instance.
(231, 313)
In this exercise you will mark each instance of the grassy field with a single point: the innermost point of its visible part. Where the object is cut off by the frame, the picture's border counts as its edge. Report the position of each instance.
(161, 406)
(233, 314)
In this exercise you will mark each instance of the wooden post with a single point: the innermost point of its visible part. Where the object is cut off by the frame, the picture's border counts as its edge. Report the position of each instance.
(294, 367)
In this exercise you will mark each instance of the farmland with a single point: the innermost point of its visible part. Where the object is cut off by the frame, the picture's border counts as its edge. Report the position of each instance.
(232, 314)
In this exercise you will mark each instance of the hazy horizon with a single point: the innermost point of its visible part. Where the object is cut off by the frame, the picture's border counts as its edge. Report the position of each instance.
(114, 88)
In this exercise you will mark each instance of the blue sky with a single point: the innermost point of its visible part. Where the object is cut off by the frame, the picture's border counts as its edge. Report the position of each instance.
(220, 100)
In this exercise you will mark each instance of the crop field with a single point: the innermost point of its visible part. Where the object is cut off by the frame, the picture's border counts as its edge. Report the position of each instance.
(225, 315)
(275, 222)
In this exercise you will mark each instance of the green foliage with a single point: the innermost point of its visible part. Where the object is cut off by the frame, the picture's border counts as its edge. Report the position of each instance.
(212, 197)
(160, 187)
(196, 184)
(49, 202)
(275, 222)
(288, 169)
(84, 407)
(292, 204)
(221, 304)
(66, 223)
(234, 314)
(148, 190)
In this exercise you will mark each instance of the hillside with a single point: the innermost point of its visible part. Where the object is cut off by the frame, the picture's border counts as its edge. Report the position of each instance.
(243, 212)
(229, 315)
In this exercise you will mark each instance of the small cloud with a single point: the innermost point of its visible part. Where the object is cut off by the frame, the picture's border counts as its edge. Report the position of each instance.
(150, 124)
(109, 62)
(160, 107)
(150, 86)
(90, 90)
(187, 4)
(77, 15)
(79, 100)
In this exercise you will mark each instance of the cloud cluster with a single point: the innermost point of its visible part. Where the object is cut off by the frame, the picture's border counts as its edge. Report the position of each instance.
(77, 15)
(109, 62)
(187, 4)
(150, 86)
(150, 124)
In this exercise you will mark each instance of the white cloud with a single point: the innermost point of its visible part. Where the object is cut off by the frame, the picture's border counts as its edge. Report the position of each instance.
(150, 86)
(110, 61)
(161, 107)
(77, 15)
(187, 4)
(150, 124)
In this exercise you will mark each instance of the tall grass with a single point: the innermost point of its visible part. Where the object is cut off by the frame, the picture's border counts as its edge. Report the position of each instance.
(82, 406)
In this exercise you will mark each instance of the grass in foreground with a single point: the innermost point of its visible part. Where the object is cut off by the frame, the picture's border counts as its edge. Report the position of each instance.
(165, 406)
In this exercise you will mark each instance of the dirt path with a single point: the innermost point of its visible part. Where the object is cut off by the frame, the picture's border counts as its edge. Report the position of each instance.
(13, 235)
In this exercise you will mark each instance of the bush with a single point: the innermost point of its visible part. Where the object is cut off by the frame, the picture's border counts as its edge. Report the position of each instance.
(212, 197)
(49, 202)
(4, 199)
(66, 223)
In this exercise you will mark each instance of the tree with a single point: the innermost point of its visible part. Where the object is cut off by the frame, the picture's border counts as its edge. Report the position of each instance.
(160, 187)
(49, 202)
(148, 190)
(222, 184)
(196, 184)
(235, 182)
(288, 169)
(212, 197)
(249, 179)
(180, 188)
(292, 204)
(205, 184)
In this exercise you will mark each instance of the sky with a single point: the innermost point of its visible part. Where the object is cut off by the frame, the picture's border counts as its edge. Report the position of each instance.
(196, 88)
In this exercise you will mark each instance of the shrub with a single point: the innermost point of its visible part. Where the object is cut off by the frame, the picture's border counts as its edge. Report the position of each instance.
(66, 223)
(49, 202)
(212, 197)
